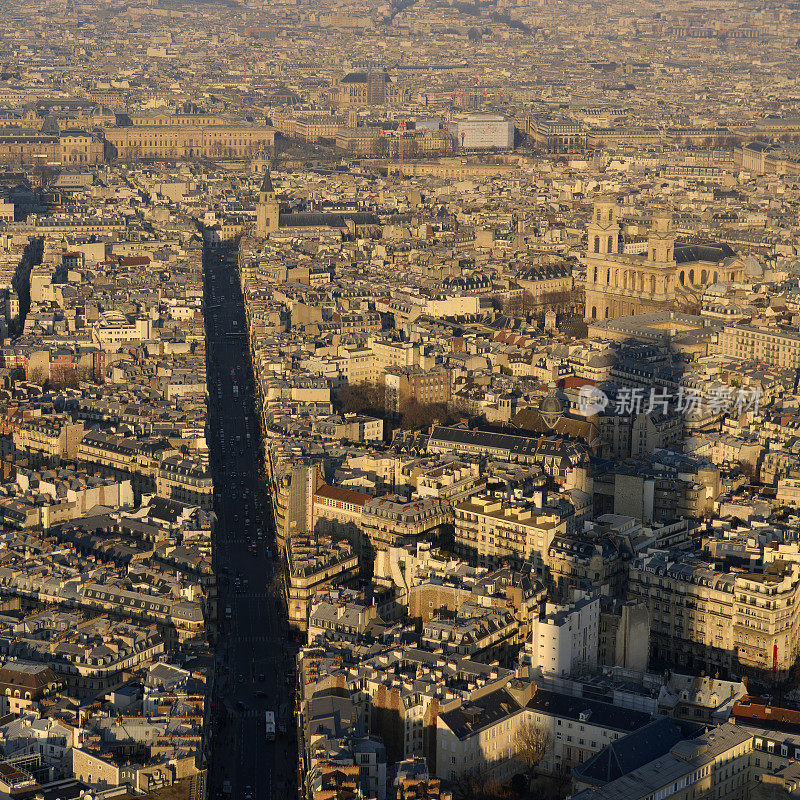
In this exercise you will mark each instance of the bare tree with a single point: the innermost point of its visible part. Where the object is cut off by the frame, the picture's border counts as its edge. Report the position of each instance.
(44, 175)
(38, 375)
(531, 743)
(85, 373)
(365, 397)
(65, 378)
(477, 785)
(513, 306)
(749, 470)
(415, 415)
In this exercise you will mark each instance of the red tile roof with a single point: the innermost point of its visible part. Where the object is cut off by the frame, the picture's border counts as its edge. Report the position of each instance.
(574, 382)
(758, 710)
(343, 495)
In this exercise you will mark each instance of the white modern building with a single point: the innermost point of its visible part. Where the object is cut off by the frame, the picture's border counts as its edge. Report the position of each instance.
(483, 133)
(564, 639)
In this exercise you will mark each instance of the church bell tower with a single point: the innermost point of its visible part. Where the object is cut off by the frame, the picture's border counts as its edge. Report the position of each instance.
(268, 210)
(661, 239)
(603, 228)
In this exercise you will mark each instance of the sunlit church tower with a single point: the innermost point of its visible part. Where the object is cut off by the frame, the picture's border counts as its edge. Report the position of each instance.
(268, 210)
(666, 276)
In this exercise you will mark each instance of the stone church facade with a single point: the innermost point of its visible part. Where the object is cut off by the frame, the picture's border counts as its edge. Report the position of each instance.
(669, 275)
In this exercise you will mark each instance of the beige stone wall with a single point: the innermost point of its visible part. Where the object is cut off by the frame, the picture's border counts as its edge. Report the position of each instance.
(189, 141)
(93, 770)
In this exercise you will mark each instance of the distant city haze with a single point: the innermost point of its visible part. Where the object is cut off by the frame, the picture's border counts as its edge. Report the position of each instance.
(399, 400)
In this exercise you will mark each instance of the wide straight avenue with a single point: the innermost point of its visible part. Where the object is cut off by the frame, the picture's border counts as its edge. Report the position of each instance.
(254, 665)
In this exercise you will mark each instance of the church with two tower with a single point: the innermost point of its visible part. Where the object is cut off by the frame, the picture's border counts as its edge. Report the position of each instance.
(669, 275)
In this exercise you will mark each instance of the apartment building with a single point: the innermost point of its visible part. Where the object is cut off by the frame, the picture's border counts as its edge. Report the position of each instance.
(657, 490)
(84, 653)
(95, 765)
(390, 521)
(25, 684)
(587, 560)
(414, 782)
(360, 141)
(639, 435)
(365, 322)
(187, 480)
(731, 622)
(293, 486)
(453, 482)
(772, 346)
(114, 330)
(480, 633)
(51, 436)
(364, 141)
(788, 493)
(544, 283)
(393, 353)
(400, 693)
(177, 619)
(564, 460)
(343, 615)
(624, 635)
(416, 384)
(351, 427)
(337, 512)
(350, 767)
(443, 589)
(491, 531)
(314, 562)
(317, 126)
(719, 763)
(356, 364)
(125, 455)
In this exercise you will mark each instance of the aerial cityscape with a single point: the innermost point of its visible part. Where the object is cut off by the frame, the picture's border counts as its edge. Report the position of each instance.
(399, 400)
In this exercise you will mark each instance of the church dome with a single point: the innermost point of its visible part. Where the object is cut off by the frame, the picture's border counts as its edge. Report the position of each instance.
(551, 409)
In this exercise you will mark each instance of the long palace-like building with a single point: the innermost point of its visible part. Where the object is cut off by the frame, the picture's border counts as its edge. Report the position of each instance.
(181, 136)
(668, 275)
